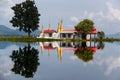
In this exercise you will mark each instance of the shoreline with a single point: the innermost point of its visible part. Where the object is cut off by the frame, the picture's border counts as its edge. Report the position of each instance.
(32, 39)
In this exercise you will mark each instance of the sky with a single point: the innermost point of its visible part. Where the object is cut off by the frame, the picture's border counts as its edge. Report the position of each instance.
(104, 13)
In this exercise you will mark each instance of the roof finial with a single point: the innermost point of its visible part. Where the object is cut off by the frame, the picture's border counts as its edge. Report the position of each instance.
(61, 25)
(49, 27)
(42, 29)
(61, 21)
(58, 30)
(48, 52)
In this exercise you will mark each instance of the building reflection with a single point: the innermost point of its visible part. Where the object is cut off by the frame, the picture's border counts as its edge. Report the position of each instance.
(83, 50)
(25, 61)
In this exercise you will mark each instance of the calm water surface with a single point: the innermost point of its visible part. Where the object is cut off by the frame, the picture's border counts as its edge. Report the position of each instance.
(55, 61)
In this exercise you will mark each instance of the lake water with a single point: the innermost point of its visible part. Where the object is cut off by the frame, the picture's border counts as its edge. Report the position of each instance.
(59, 61)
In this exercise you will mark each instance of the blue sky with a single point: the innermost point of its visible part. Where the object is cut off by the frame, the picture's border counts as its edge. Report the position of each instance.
(105, 13)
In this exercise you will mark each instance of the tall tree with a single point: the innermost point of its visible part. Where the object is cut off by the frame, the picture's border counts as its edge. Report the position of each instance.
(26, 16)
(85, 26)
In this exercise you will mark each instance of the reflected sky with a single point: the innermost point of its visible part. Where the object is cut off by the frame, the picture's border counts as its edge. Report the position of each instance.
(104, 66)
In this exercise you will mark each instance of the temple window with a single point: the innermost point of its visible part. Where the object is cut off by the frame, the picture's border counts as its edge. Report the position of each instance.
(64, 45)
(69, 35)
(63, 35)
(50, 35)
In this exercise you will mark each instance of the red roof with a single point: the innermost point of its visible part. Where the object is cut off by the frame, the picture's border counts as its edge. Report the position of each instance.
(92, 32)
(48, 47)
(69, 31)
(93, 49)
(70, 49)
(74, 49)
(49, 31)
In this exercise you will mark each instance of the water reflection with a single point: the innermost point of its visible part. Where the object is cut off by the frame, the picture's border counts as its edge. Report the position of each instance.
(86, 51)
(83, 50)
(25, 61)
(101, 45)
(84, 54)
(87, 58)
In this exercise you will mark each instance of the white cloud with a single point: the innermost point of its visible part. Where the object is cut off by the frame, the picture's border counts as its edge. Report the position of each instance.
(93, 15)
(113, 65)
(4, 69)
(111, 13)
(5, 11)
(109, 63)
(114, 13)
(74, 19)
(5, 8)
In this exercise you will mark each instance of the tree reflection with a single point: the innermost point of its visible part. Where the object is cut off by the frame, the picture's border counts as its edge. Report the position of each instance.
(84, 54)
(25, 61)
(101, 45)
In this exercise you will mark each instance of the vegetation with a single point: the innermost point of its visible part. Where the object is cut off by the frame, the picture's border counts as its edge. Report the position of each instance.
(26, 16)
(101, 45)
(32, 39)
(85, 26)
(101, 35)
(85, 54)
(25, 61)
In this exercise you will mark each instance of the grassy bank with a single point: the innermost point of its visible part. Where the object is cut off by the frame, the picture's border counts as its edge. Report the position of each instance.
(27, 39)
(111, 40)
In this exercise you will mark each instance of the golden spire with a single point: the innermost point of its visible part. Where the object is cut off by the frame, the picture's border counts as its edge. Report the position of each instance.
(42, 49)
(58, 30)
(61, 25)
(42, 29)
(61, 21)
(60, 52)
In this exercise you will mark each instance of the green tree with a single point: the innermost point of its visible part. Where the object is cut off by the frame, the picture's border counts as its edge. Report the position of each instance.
(101, 35)
(85, 26)
(25, 61)
(26, 16)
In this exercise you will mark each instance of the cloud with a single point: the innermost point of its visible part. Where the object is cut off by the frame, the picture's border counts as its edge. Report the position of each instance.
(4, 69)
(113, 12)
(110, 63)
(5, 8)
(113, 65)
(74, 19)
(5, 11)
(94, 15)
(105, 19)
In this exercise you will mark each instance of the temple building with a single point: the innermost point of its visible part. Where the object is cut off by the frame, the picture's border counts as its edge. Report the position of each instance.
(49, 33)
(61, 33)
